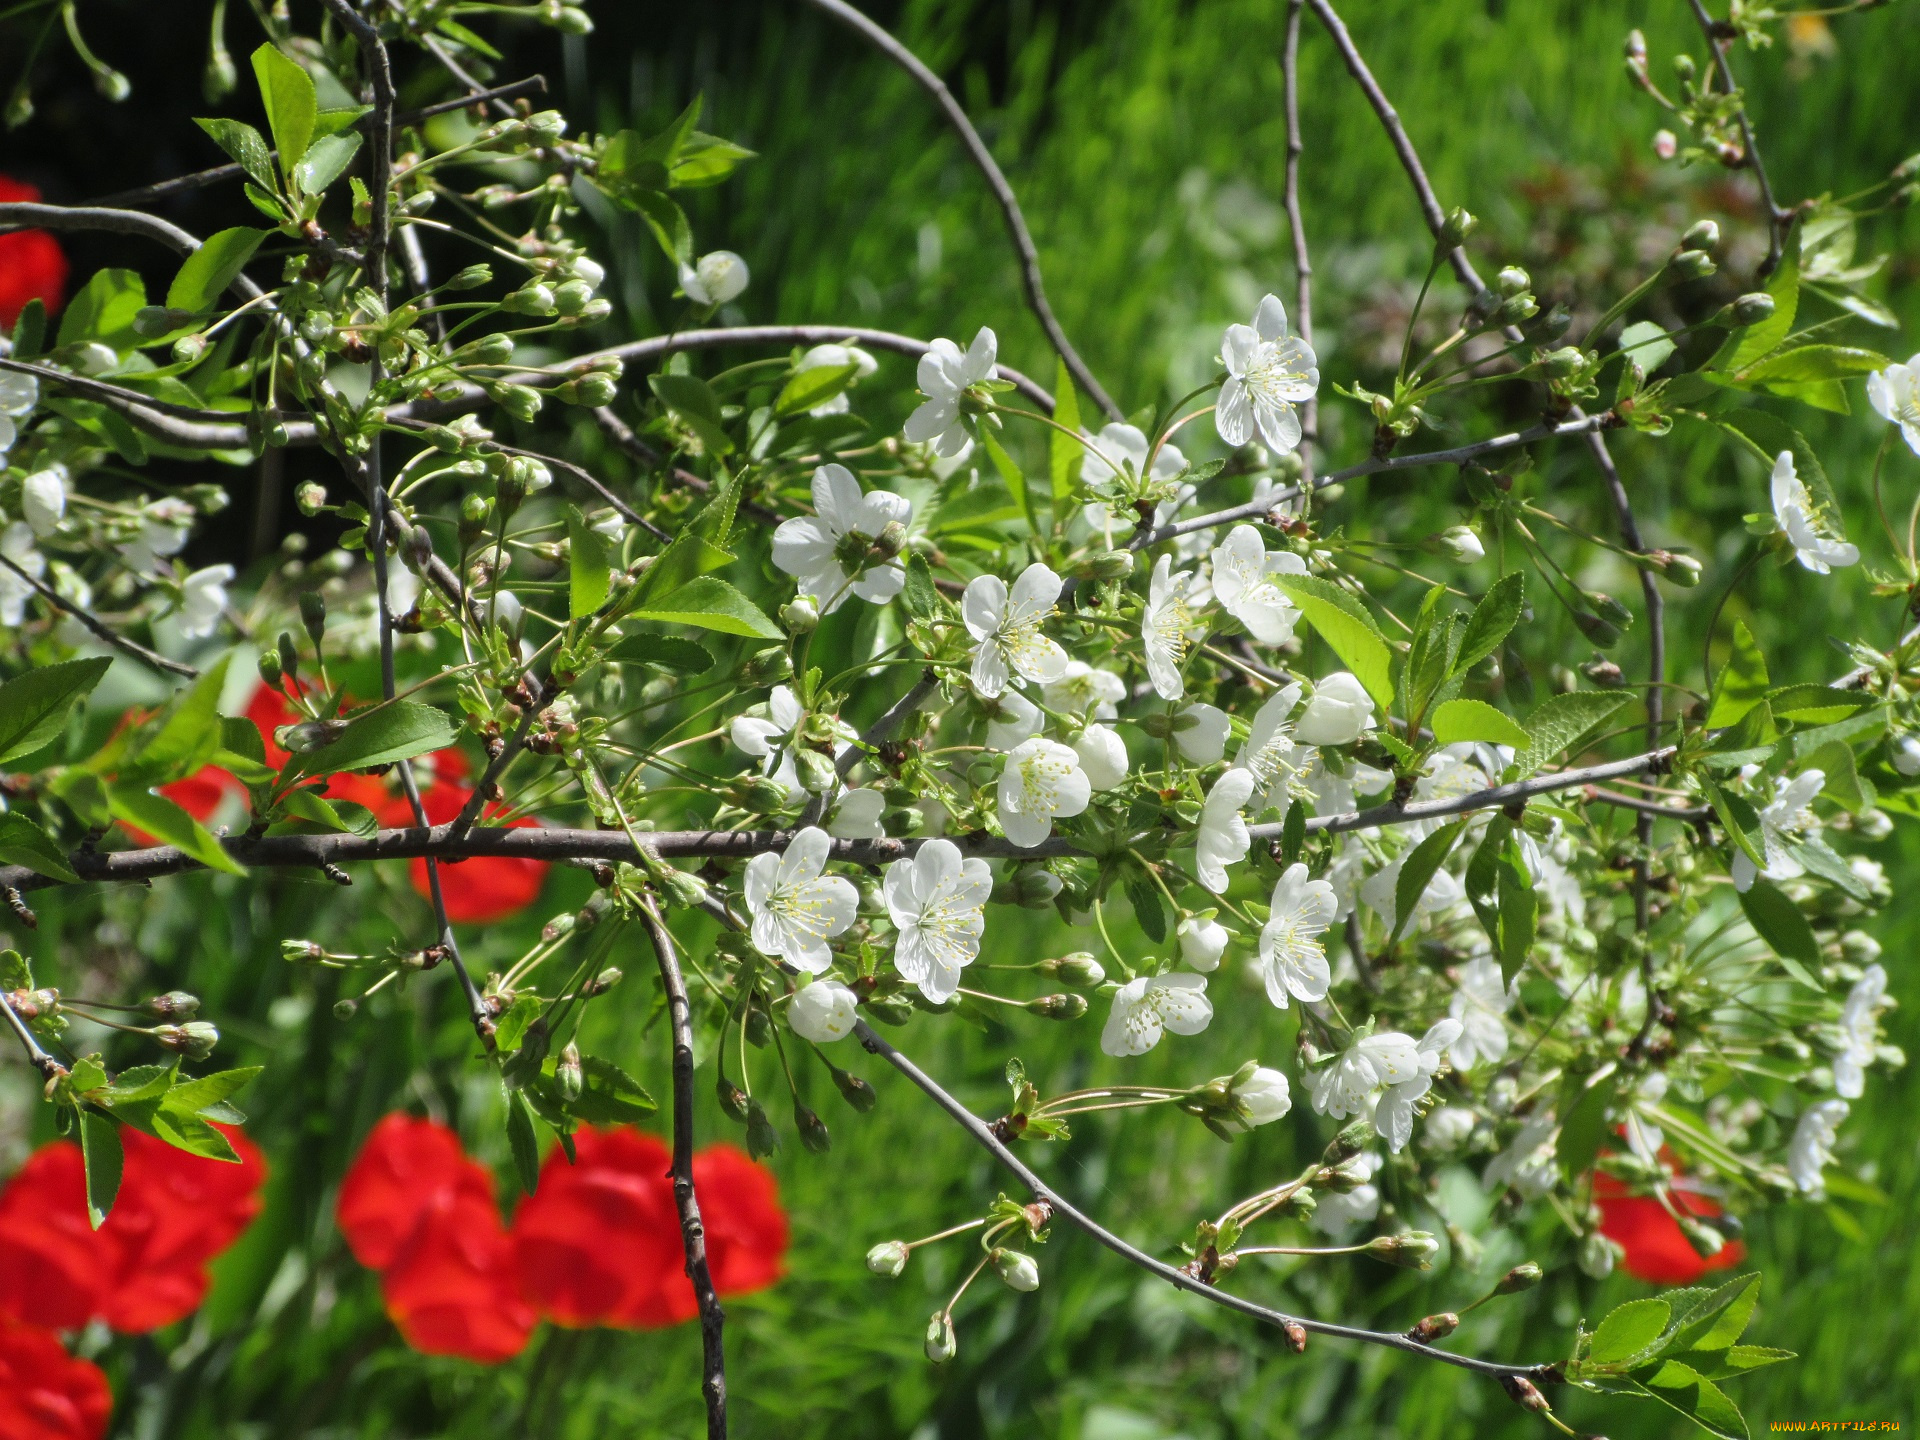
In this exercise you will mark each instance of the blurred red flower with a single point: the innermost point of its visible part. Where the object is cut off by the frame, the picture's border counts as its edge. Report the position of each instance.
(746, 1228)
(146, 1266)
(32, 265)
(45, 1393)
(401, 1171)
(1657, 1249)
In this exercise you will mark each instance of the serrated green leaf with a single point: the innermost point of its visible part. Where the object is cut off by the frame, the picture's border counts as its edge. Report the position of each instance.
(663, 652)
(1463, 720)
(190, 1097)
(1417, 873)
(246, 146)
(286, 90)
(520, 1137)
(1743, 347)
(610, 1096)
(395, 731)
(25, 844)
(711, 604)
(208, 271)
(1806, 364)
(811, 388)
(920, 595)
(1843, 784)
(1686, 1390)
(1561, 722)
(1817, 704)
(186, 739)
(511, 1028)
(1144, 896)
(1348, 629)
(1492, 621)
(104, 311)
(103, 1159)
(325, 162)
(1628, 1330)
(1719, 1319)
(136, 805)
(1742, 682)
(190, 1133)
(1014, 477)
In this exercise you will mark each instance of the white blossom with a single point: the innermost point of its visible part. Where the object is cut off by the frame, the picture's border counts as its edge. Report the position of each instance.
(1221, 838)
(1010, 647)
(1780, 820)
(1810, 1150)
(1859, 1024)
(1340, 712)
(403, 588)
(823, 1010)
(715, 278)
(1268, 373)
(1336, 794)
(1269, 752)
(1013, 718)
(1083, 690)
(1346, 1084)
(945, 375)
(1293, 959)
(1203, 940)
(818, 550)
(1895, 393)
(162, 534)
(1393, 1117)
(1244, 584)
(16, 543)
(1336, 1211)
(758, 737)
(856, 816)
(1906, 755)
(1042, 780)
(1449, 1127)
(203, 598)
(1200, 733)
(836, 357)
(936, 900)
(1145, 1008)
(795, 907)
(18, 395)
(1480, 1004)
(1126, 446)
(1380, 891)
(1526, 1164)
(1266, 1096)
(1794, 508)
(1166, 628)
(43, 500)
(1463, 544)
(1103, 756)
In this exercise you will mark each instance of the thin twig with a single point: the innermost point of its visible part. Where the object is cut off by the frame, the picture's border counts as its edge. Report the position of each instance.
(693, 1234)
(625, 440)
(996, 180)
(37, 1055)
(875, 733)
(1776, 217)
(99, 627)
(1302, 261)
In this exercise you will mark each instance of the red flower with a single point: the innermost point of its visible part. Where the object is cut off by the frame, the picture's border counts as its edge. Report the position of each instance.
(32, 265)
(450, 1288)
(746, 1228)
(476, 891)
(146, 1266)
(45, 1393)
(1657, 1249)
(401, 1173)
(598, 1242)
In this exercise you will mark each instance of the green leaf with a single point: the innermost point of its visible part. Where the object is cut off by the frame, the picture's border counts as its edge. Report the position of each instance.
(1684, 1389)
(693, 402)
(34, 706)
(1417, 873)
(704, 160)
(332, 122)
(1743, 347)
(1144, 896)
(813, 387)
(589, 565)
(1459, 720)
(610, 1096)
(1293, 832)
(1843, 784)
(1739, 1359)
(1561, 722)
(132, 802)
(711, 604)
(15, 972)
(690, 555)
(190, 1097)
(1064, 450)
(512, 1027)
(1719, 1319)
(189, 735)
(326, 162)
(24, 843)
(101, 1151)
(526, 1149)
(664, 652)
(1817, 704)
(1806, 364)
(1519, 914)
(1742, 682)
(665, 219)
(104, 311)
(1012, 474)
(1628, 1330)
(1646, 345)
(920, 595)
(1492, 620)
(192, 1134)
(1348, 630)
(1778, 921)
(1583, 1128)
(396, 731)
(313, 809)
(246, 146)
(207, 273)
(286, 90)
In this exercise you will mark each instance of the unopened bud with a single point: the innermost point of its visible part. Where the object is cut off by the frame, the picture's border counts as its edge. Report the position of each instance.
(174, 1005)
(1599, 631)
(941, 1346)
(1525, 1394)
(1564, 363)
(289, 654)
(1435, 1327)
(1706, 1241)
(855, 1091)
(1348, 1143)
(1693, 265)
(604, 981)
(1411, 1250)
(1079, 970)
(1296, 1334)
(1512, 281)
(1607, 607)
(1058, 1007)
(888, 1258)
(471, 278)
(1681, 570)
(800, 615)
(568, 1075)
(733, 1100)
(1459, 224)
(1462, 544)
(534, 299)
(1752, 308)
(813, 1130)
(311, 497)
(769, 667)
(1604, 673)
(1107, 565)
(313, 614)
(816, 771)
(1597, 1255)
(270, 672)
(302, 952)
(195, 1039)
(762, 1140)
(1701, 235)
(1523, 1276)
(1516, 308)
(1016, 1267)
(188, 349)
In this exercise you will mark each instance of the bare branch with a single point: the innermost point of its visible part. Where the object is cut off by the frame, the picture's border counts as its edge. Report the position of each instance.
(99, 627)
(1777, 218)
(1302, 262)
(996, 180)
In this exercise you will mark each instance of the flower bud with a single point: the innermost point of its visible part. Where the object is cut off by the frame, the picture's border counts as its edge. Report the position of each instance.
(1435, 1327)
(1523, 1276)
(1079, 970)
(890, 1009)
(567, 19)
(1058, 1007)
(195, 1039)
(568, 1076)
(800, 615)
(1516, 308)
(733, 1100)
(1462, 544)
(816, 771)
(1459, 224)
(1604, 673)
(1564, 363)
(311, 497)
(1034, 888)
(307, 735)
(270, 672)
(1347, 1144)
(595, 388)
(1513, 281)
(1666, 144)
(813, 1130)
(1410, 1250)
(1608, 608)
(530, 299)
(855, 1091)
(769, 667)
(1016, 1267)
(174, 1005)
(471, 278)
(888, 1258)
(1693, 265)
(1597, 1255)
(1525, 1394)
(494, 349)
(302, 952)
(1108, 565)
(345, 1008)
(1296, 1334)
(522, 402)
(1599, 631)
(313, 613)
(1707, 1242)
(1701, 235)
(1681, 570)
(572, 297)
(941, 1346)
(604, 981)
(547, 124)
(762, 1140)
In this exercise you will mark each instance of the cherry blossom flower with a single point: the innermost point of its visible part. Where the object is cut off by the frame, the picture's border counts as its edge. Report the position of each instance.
(1167, 628)
(1268, 373)
(203, 599)
(1810, 1150)
(1403, 1066)
(831, 552)
(1264, 1097)
(1010, 647)
(43, 500)
(945, 375)
(1083, 690)
(1794, 508)
(715, 278)
(856, 816)
(822, 1011)
(1480, 1005)
(1013, 718)
(937, 901)
(1269, 752)
(1200, 732)
(1895, 393)
(1042, 780)
(1203, 940)
(18, 395)
(1393, 1118)
(1338, 1211)
(1126, 445)
(1781, 819)
(1340, 712)
(16, 543)
(1293, 960)
(1381, 890)
(1243, 582)
(795, 907)
(1526, 1164)
(758, 737)
(837, 357)
(1103, 756)
(162, 534)
(1221, 838)
(1145, 1008)
(1859, 1026)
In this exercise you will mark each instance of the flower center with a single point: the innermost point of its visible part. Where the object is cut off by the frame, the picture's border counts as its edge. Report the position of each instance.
(1274, 375)
(1040, 777)
(799, 907)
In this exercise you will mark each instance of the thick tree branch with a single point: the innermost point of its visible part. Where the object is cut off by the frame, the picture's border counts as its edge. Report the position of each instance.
(693, 1234)
(996, 180)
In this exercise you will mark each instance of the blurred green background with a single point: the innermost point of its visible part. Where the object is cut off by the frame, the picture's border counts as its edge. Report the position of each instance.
(1146, 140)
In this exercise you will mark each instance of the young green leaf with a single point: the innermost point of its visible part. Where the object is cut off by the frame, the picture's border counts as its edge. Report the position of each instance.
(103, 1159)
(1743, 347)
(1742, 682)
(1778, 921)
(104, 310)
(589, 565)
(1561, 722)
(1492, 620)
(1519, 913)
(1460, 720)
(188, 736)
(325, 162)
(245, 146)
(34, 706)
(1628, 1330)
(396, 731)
(663, 652)
(1417, 873)
(526, 1149)
(1013, 475)
(286, 90)
(25, 844)
(610, 1096)
(166, 821)
(208, 271)
(1348, 630)
(711, 604)
(811, 388)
